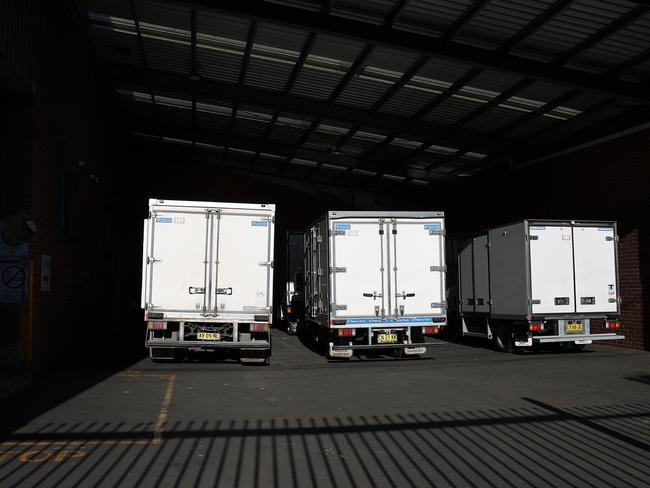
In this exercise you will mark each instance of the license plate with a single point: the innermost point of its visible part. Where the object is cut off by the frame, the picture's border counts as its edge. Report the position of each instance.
(574, 328)
(208, 336)
(386, 338)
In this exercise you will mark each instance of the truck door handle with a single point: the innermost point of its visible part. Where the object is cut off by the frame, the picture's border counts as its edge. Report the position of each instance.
(405, 295)
(195, 290)
(374, 295)
(224, 291)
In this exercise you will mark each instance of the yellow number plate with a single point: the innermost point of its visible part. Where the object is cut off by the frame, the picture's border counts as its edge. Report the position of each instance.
(386, 338)
(574, 328)
(208, 336)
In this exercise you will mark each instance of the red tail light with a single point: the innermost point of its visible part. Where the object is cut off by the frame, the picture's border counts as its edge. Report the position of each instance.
(346, 332)
(535, 327)
(259, 327)
(613, 324)
(157, 325)
(431, 329)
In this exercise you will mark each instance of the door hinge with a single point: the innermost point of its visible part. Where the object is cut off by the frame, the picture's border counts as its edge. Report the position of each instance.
(339, 307)
(334, 269)
(532, 238)
(438, 268)
(534, 302)
(609, 238)
(152, 260)
(338, 233)
(436, 232)
(442, 304)
(266, 263)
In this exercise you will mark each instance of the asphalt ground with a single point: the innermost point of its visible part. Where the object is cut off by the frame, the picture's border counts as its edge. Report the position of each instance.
(462, 415)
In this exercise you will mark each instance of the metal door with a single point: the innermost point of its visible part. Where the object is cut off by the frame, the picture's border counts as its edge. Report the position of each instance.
(176, 261)
(551, 269)
(242, 265)
(595, 269)
(358, 268)
(418, 267)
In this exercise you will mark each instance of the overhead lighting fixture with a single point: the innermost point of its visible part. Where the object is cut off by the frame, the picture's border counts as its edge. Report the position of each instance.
(194, 76)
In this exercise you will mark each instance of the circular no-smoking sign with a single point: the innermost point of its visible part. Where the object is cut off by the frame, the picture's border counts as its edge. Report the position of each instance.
(13, 277)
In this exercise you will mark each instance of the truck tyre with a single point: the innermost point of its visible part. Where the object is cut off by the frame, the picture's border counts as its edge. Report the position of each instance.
(503, 337)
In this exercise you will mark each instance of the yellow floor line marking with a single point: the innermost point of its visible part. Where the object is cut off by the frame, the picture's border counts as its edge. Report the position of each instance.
(162, 416)
(157, 433)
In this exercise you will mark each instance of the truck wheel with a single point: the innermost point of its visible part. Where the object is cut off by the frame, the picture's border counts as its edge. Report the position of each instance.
(503, 338)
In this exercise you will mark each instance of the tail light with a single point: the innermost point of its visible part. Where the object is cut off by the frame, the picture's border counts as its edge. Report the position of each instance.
(535, 327)
(157, 325)
(430, 329)
(289, 309)
(613, 324)
(345, 332)
(259, 327)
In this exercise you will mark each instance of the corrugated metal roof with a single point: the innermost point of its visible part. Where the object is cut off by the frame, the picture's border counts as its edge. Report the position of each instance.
(571, 26)
(431, 17)
(275, 52)
(383, 68)
(221, 43)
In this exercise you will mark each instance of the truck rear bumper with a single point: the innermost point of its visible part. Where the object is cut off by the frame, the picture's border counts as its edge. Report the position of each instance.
(209, 344)
(583, 337)
(390, 346)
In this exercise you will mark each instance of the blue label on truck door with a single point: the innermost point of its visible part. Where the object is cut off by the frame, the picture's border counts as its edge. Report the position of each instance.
(342, 226)
(259, 223)
(164, 220)
(431, 226)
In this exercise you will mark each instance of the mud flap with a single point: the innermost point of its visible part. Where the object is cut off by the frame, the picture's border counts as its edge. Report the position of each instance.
(339, 353)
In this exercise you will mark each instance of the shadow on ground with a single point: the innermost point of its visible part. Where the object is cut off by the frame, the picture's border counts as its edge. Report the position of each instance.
(536, 445)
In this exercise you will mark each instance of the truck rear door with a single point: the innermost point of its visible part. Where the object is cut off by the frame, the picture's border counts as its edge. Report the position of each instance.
(242, 262)
(417, 278)
(595, 269)
(358, 265)
(175, 260)
(551, 269)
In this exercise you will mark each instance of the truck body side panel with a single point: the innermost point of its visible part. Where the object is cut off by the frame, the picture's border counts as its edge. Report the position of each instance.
(242, 263)
(595, 269)
(509, 283)
(481, 263)
(551, 265)
(177, 272)
(357, 254)
(418, 263)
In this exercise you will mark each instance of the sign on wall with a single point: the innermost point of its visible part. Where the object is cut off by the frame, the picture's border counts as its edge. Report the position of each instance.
(13, 282)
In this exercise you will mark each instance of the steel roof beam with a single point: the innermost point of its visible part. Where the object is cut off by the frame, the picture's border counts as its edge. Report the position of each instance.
(458, 24)
(554, 9)
(423, 45)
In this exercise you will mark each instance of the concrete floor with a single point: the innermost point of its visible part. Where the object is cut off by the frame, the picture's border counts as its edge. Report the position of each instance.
(463, 415)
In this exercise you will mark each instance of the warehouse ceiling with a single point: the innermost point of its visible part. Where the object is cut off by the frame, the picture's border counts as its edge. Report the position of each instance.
(346, 92)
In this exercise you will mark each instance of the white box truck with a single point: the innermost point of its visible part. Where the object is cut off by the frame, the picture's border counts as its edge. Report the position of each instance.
(375, 280)
(207, 278)
(540, 281)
